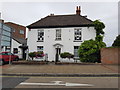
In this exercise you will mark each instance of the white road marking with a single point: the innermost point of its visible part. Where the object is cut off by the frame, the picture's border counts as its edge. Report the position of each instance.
(57, 83)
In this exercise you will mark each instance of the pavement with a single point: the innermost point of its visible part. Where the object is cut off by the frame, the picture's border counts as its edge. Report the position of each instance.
(44, 76)
(61, 70)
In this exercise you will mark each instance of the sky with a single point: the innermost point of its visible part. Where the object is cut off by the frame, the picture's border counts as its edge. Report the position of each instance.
(25, 13)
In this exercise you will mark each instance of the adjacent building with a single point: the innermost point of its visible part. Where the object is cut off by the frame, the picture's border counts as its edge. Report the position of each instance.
(18, 42)
(56, 34)
(5, 36)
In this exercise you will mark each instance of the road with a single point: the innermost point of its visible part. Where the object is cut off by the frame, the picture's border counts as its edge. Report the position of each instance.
(59, 82)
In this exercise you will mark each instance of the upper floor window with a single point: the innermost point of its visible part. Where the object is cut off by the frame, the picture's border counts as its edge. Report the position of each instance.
(13, 30)
(58, 34)
(21, 31)
(78, 34)
(41, 35)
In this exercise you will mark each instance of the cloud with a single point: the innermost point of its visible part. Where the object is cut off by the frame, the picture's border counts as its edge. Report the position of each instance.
(25, 13)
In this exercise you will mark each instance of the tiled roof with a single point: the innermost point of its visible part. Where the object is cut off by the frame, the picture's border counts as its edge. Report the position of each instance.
(55, 21)
(20, 40)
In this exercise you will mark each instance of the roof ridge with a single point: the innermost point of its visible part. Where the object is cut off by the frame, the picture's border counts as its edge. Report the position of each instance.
(62, 15)
(15, 24)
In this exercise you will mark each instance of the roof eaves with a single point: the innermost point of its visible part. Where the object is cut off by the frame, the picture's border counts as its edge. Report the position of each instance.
(86, 25)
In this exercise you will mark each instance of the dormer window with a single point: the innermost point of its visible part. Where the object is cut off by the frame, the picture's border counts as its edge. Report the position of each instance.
(40, 35)
(78, 34)
(58, 34)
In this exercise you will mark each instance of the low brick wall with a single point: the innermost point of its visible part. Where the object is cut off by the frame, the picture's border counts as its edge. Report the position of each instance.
(110, 55)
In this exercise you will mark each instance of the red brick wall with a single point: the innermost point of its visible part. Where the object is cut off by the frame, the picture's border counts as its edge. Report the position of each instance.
(17, 30)
(110, 55)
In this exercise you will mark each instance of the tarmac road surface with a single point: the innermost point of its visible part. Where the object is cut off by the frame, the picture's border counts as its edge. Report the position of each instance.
(59, 82)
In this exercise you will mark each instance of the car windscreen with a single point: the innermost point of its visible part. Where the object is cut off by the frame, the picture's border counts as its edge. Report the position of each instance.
(3, 54)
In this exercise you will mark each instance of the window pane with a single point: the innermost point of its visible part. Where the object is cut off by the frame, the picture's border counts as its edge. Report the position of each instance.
(6, 38)
(6, 28)
(21, 31)
(77, 35)
(40, 35)
(5, 43)
(6, 33)
(15, 50)
(58, 34)
(39, 48)
(76, 51)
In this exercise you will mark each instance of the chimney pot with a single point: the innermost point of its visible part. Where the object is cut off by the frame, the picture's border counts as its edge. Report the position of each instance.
(51, 14)
(78, 10)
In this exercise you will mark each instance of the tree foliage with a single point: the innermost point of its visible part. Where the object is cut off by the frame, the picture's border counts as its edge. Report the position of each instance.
(99, 26)
(89, 51)
(116, 42)
(66, 55)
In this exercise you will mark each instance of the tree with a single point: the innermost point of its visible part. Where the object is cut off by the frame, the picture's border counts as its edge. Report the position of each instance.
(116, 42)
(89, 51)
(99, 26)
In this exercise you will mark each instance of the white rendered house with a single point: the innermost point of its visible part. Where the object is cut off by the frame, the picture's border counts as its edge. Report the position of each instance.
(56, 34)
(18, 46)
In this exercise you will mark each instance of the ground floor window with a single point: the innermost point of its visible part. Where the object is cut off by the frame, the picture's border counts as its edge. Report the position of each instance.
(76, 51)
(7, 48)
(15, 50)
(39, 48)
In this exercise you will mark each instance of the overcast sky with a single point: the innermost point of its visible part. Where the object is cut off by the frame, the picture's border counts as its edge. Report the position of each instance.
(25, 13)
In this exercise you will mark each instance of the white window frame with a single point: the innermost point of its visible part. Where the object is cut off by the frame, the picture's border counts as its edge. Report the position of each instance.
(78, 34)
(40, 49)
(40, 37)
(58, 34)
(76, 51)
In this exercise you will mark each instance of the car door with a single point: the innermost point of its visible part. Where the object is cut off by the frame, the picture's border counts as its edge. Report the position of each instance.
(5, 56)
(11, 56)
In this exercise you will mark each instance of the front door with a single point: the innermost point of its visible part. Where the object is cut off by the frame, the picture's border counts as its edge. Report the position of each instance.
(58, 51)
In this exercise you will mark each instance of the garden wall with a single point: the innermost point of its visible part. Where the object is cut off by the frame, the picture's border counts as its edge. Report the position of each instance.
(110, 55)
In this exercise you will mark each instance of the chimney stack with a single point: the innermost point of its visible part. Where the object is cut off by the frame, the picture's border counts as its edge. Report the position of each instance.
(78, 10)
(51, 14)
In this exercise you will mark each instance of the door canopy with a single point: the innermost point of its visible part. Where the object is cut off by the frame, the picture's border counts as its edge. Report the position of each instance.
(58, 45)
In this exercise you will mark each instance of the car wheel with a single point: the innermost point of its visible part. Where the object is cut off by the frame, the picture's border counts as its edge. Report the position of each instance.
(2, 62)
(16, 59)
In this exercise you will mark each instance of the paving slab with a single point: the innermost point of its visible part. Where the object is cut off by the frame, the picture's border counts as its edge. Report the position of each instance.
(60, 69)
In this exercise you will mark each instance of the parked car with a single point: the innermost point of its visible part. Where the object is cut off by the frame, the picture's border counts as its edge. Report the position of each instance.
(6, 57)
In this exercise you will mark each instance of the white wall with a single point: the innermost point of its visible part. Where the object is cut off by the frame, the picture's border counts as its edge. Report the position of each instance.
(67, 40)
(15, 44)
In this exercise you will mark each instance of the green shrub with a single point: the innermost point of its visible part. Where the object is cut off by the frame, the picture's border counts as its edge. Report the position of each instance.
(36, 54)
(62, 55)
(32, 55)
(66, 55)
(89, 51)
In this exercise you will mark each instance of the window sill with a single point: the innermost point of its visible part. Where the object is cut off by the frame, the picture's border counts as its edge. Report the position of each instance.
(77, 41)
(40, 41)
(58, 39)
